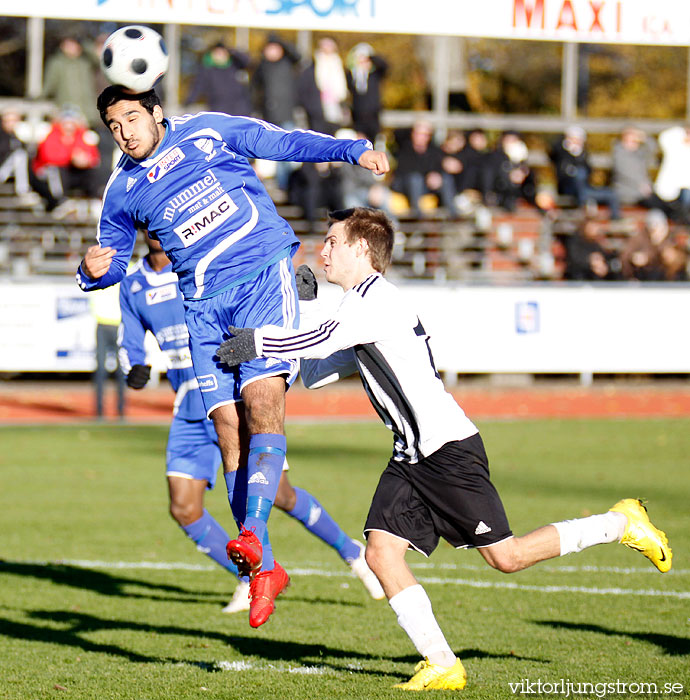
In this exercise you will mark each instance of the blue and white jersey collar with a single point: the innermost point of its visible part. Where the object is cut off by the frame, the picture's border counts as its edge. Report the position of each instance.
(157, 279)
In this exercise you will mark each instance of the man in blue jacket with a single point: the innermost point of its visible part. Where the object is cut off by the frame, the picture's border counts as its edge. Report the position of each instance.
(189, 181)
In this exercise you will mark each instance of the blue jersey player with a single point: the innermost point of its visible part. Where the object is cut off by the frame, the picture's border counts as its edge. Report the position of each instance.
(189, 181)
(150, 301)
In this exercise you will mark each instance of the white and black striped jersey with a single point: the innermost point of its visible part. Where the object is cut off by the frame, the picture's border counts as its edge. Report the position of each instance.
(375, 333)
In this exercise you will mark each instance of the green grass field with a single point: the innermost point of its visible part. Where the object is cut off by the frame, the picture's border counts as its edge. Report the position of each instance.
(101, 596)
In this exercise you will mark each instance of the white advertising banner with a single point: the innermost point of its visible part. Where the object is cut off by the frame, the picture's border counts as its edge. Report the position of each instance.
(52, 328)
(530, 329)
(46, 328)
(554, 329)
(597, 21)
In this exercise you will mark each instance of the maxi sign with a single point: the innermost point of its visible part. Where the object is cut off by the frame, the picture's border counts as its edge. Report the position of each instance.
(601, 21)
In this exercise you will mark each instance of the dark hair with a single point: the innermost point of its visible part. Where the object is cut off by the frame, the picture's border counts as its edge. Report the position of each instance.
(116, 93)
(374, 227)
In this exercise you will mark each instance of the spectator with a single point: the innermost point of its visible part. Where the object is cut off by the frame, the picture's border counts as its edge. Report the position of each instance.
(477, 171)
(571, 161)
(109, 152)
(66, 160)
(359, 190)
(672, 183)
(420, 170)
(330, 79)
(105, 308)
(222, 81)
(310, 100)
(14, 157)
(653, 254)
(587, 256)
(315, 185)
(632, 159)
(513, 176)
(365, 73)
(674, 258)
(452, 146)
(70, 79)
(275, 83)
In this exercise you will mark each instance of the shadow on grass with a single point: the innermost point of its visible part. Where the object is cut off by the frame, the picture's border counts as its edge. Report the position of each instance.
(329, 601)
(673, 646)
(68, 628)
(101, 582)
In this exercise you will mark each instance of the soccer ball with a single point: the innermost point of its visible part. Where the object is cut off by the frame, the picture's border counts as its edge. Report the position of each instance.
(135, 57)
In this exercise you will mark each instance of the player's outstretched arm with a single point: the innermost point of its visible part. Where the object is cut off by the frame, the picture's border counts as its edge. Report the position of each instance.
(376, 161)
(97, 260)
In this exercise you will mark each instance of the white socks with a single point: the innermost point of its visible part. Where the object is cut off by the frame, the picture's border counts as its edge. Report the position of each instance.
(579, 534)
(415, 616)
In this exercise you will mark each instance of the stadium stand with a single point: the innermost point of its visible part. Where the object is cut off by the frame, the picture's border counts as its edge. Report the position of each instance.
(489, 245)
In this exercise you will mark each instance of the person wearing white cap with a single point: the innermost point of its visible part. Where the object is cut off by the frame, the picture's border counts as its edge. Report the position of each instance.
(570, 158)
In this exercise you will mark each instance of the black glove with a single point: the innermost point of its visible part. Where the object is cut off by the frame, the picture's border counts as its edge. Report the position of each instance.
(307, 286)
(138, 376)
(240, 348)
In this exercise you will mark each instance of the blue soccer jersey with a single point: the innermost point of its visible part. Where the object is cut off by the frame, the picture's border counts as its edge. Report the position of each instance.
(151, 301)
(199, 195)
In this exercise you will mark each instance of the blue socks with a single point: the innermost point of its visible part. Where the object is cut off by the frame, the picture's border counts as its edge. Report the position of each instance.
(251, 495)
(264, 466)
(210, 538)
(268, 563)
(317, 520)
(237, 494)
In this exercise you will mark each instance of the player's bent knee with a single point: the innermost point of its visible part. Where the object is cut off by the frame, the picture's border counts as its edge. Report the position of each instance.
(264, 405)
(379, 558)
(502, 558)
(507, 566)
(185, 513)
(372, 558)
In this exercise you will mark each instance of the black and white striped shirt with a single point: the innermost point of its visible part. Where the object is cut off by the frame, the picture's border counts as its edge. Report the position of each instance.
(373, 332)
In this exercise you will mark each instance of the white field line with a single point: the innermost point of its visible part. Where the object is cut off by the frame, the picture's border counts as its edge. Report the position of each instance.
(560, 569)
(263, 666)
(253, 666)
(505, 585)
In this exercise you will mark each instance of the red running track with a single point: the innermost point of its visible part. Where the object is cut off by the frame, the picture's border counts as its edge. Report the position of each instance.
(53, 403)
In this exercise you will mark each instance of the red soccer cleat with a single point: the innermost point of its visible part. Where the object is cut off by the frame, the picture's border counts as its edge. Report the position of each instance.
(263, 591)
(246, 553)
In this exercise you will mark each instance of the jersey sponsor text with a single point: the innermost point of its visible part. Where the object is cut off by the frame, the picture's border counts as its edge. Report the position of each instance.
(157, 295)
(207, 382)
(165, 164)
(189, 195)
(205, 221)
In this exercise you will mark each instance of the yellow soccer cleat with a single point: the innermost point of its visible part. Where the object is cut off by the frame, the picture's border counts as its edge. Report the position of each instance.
(434, 677)
(641, 535)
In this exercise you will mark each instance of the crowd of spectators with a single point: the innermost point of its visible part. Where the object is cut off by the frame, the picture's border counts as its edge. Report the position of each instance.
(341, 94)
(72, 154)
(653, 253)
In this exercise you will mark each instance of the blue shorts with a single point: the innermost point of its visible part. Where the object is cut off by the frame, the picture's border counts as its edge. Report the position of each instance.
(192, 451)
(270, 298)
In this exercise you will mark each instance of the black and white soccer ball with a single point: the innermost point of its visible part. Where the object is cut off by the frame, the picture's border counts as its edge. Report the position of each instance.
(135, 57)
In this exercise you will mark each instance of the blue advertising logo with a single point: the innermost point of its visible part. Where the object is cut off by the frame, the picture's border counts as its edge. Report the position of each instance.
(321, 8)
(71, 306)
(337, 7)
(527, 317)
